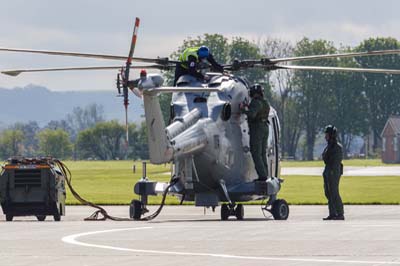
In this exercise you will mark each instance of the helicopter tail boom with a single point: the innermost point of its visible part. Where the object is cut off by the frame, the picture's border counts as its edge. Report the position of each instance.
(159, 148)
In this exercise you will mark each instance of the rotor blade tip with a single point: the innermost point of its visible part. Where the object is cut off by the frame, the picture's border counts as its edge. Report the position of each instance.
(11, 73)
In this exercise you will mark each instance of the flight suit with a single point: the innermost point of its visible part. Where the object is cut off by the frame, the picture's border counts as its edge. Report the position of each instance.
(257, 118)
(332, 157)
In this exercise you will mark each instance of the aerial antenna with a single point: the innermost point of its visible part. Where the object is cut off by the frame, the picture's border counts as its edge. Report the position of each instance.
(125, 77)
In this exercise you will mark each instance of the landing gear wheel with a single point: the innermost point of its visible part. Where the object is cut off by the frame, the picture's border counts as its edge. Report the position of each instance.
(9, 217)
(239, 212)
(280, 209)
(135, 209)
(224, 212)
(57, 216)
(41, 217)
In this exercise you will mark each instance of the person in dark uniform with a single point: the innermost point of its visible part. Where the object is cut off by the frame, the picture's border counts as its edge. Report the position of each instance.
(257, 118)
(190, 59)
(332, 157)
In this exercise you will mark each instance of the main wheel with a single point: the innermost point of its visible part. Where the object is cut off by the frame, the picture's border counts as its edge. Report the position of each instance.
(9, 217)
(224, 212)
(280, 209)
(135, 209)
(239, 212)
(57, 216)
(41, 217)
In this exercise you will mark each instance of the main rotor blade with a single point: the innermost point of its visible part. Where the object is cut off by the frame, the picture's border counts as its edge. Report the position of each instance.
(16, 72)
(327, 56)
(180, 89)
(348, 69)
(87, 55)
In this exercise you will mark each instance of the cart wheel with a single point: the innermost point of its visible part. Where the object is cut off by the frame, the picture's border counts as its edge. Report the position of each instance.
(280, 209)
(239, 212)
(41, 217)
(224, 212)
(9, 217)
(57, 216)
(135, 209)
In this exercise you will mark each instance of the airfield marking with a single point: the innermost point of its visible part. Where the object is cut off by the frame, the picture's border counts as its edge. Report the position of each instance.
(72, 239)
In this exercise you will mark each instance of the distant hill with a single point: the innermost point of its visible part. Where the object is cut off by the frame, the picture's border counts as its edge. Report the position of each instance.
(36, 103)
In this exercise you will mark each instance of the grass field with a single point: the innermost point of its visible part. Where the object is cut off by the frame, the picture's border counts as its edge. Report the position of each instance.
(111, 182)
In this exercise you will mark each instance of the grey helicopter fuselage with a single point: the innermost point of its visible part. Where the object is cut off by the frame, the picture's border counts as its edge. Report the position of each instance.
(208, 141)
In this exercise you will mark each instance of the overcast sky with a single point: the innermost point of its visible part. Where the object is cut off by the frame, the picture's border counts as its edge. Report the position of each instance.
(100, 26)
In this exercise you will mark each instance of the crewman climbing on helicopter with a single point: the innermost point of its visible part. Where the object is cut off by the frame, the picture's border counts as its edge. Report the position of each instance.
(257, 117)
(189, 61)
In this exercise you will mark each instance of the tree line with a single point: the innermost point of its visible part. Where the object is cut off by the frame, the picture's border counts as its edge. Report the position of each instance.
(83, 134)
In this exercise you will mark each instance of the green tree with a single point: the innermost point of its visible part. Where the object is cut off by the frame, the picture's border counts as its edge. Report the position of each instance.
(138, 148)
(382, 91)
(11, 143)
(104, 141)
(30, 142)
(292, 125)
(243, 49)
(142, 146)
(83, 118)
(313, 89)
(348, 109)
(54, 143)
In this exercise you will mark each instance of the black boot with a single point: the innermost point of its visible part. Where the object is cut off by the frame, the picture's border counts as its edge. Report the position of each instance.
(329, 217)
(339, 217)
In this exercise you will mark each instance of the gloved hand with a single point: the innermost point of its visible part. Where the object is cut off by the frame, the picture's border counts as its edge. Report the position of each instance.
(206, 78)
(243, 107)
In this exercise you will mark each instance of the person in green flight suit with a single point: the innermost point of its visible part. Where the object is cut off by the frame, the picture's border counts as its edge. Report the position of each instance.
(190, 59)
(332, 156)
(257, 117)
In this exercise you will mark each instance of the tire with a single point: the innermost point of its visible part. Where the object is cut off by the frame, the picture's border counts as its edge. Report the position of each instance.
(135, 210)
(9, 217)
(41, 217)
(224, 212)
(239, 212)
(280, 210)
(57, 216)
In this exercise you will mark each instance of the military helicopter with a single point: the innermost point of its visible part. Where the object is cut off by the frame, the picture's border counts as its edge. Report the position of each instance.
(207, 141)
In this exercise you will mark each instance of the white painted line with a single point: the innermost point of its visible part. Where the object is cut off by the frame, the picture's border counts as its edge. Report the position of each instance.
(376, 225)
(72, 239)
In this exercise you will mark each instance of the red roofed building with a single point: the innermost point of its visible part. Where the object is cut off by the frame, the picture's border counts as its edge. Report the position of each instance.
(391, 140)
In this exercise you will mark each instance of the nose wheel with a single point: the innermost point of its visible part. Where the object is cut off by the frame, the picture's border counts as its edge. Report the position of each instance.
(137, 209)
(232, 210)
(279, 209)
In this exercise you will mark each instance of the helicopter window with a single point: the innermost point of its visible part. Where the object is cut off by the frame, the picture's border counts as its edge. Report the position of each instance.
(270, 137)
(200, 100)
(226, 112)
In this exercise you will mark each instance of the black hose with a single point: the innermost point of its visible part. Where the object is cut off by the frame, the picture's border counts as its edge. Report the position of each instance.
(101, 211)
(172, 182)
